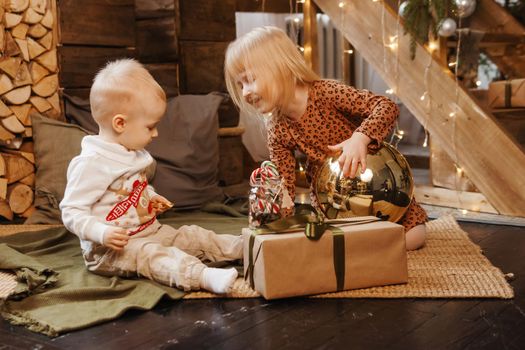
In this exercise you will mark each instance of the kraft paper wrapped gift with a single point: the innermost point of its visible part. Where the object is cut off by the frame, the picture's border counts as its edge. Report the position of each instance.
(507, 93)
(289, 264)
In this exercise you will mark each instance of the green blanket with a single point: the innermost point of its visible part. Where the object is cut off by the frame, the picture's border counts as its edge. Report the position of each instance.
(56, 293)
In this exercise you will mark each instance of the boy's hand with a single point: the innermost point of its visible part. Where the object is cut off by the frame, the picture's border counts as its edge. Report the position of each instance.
(160, 204)
(354, 151)
(116, 238)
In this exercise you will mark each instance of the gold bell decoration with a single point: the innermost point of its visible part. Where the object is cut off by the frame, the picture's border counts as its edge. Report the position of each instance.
(384, 189)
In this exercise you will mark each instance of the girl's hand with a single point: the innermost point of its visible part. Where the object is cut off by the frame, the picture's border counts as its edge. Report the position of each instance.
(354, 152)
(116, 238)
(160, 204)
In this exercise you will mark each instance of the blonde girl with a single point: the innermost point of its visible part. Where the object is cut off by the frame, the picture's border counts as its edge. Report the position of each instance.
(266, 75)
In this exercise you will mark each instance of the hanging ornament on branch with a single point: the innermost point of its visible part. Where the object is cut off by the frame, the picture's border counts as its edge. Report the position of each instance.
(422, 19)
(402, 8)
(447, 27)
(465, 8)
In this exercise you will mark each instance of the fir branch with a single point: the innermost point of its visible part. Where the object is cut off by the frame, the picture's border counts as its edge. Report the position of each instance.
(422, 18)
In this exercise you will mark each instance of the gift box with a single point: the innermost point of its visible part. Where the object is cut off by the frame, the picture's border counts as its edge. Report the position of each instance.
(507, 93)
(280, 265)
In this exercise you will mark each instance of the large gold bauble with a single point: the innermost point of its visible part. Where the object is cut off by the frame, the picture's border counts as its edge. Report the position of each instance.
(384, 190)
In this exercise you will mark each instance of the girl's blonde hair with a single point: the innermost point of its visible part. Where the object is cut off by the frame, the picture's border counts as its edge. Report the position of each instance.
(275, 61)
(119, 86)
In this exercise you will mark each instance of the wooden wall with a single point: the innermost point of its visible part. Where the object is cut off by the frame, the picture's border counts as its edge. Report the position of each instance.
(156, 27)
(182, 42)
(91, 33)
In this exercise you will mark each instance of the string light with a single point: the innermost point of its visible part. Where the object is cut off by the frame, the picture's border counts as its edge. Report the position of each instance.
(341, 4)
(452, 64)
(349, 51)
(397, 136)
(393, 42)
(425, 141)
(478, 83)
(301, 1)
(433, 45)
(389, 91)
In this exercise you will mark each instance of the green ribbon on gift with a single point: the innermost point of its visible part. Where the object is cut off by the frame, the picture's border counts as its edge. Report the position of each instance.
(314, 228)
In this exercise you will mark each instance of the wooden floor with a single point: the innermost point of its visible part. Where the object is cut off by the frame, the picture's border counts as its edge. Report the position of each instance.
(302, 323)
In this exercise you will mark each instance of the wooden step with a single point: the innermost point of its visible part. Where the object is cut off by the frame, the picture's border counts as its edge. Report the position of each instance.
(511, 119)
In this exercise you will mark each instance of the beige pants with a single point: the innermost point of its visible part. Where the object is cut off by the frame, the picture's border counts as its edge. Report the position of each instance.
(167, 255)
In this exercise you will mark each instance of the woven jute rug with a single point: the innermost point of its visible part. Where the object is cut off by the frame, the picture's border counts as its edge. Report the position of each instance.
(449, 266)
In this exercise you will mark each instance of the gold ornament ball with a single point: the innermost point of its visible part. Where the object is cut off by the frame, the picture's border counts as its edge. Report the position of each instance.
(384, 190)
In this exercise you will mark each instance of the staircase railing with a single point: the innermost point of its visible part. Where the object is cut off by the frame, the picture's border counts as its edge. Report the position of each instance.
(470, 135)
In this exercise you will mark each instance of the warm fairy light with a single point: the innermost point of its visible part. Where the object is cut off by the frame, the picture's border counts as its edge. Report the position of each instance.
(423, 97)
(452, 114)
(452, 64)
(478, 83)
(307, 49)
(341, 4)
(301, 168)
(301, 48)
(459, 170)
(296, 20)
(301, 1)
(401, 132)
(389, 91)
(433, 45)
(425, 141)
(349, 51)
(464, 211)
(393, 42)
(393, 46)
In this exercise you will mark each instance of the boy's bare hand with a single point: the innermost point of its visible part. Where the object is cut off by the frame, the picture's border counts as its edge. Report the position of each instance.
(116, 238)
(160, 204)
(354, 152)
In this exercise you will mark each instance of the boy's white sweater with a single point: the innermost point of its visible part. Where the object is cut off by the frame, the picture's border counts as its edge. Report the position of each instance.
(106, 185)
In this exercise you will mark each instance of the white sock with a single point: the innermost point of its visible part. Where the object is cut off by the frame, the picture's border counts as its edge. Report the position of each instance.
(218, 281)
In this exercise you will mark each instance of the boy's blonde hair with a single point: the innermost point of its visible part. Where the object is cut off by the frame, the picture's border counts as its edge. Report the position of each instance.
(119, 88)
(273, 58)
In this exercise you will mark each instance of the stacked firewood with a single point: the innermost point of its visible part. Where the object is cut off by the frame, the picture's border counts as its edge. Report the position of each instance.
(28, 83)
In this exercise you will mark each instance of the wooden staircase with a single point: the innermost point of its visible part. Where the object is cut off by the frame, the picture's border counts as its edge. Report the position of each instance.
(468, 132)
(504, 39)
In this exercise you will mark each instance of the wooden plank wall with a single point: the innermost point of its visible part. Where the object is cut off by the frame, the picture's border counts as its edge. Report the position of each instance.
(157, 41)
(92, 32)
(182, 42)
(206, 28)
